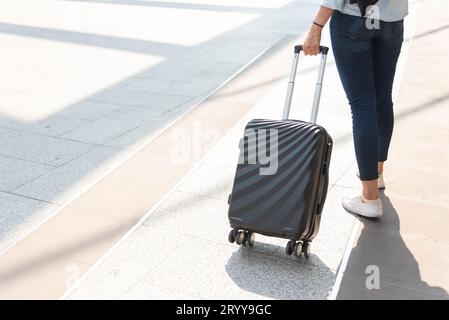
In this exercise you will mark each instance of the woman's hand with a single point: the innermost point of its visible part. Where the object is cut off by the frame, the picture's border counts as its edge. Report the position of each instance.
(311, 45)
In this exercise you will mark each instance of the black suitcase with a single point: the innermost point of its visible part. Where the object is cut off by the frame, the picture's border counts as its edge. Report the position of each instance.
(281, 193)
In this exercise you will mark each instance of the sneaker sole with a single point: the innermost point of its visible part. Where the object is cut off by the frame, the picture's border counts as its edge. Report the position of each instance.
(361, 215)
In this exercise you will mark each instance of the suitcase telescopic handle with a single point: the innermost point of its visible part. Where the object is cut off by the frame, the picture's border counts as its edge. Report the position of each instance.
(319, 84)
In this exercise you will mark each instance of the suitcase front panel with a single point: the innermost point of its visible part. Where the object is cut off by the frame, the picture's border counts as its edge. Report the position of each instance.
(282, 203)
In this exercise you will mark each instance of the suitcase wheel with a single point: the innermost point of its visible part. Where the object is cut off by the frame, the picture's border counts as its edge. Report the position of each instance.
(298, 249)
(307, 249)
(242, 237)
(250, 238)
(290, 247)
(232, 235)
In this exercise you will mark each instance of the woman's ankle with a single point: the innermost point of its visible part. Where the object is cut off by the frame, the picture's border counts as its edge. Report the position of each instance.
(370, 190)
(370, 197)
(380, 167)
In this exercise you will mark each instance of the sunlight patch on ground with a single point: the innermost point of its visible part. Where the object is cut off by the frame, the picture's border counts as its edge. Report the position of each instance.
(169, 25)
(41, 77)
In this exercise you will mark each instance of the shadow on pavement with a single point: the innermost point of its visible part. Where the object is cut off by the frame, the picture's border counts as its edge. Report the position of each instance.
(272, 275)
(381, 245)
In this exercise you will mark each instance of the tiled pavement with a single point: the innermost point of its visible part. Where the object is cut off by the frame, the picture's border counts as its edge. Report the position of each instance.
(180, 249)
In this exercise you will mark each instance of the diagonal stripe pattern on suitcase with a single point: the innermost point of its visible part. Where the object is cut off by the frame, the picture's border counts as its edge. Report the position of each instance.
(282, 204)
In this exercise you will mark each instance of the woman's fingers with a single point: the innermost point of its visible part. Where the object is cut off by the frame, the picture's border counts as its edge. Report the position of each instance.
(311, 45)
(311, 50)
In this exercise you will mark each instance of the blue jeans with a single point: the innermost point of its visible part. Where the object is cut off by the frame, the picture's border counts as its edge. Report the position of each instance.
(366, 60)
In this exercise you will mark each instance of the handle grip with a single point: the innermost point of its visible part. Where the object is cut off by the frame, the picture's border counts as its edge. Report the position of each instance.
(323, 49)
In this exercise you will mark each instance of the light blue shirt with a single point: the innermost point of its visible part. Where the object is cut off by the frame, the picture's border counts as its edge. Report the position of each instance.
(387, 10)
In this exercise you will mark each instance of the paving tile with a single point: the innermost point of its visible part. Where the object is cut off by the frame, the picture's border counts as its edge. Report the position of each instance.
(421, 146)
(131, 261)
(408, 182)
(427, 106)
(115, 124)
(349, 179)
(243, 90)
(156, 170)
(52, 126)
(89, 110)
(142, 291)
(210, 181)
(180, 88)
(177, 70)
(81, 236)
(412, 217)
(354, 288)
(18, 214)
(239, 273)
(207, 217)
(39, 148)
(415, 263)
(141, 99)
(25, 272)
(145, 290)
(226, 154)
(134, 139)
(120, 199)
(199, 130)
(15, 172)
(61, 184)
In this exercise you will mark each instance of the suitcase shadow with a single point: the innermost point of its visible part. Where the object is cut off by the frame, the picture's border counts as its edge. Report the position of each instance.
(381, 266)
(267, 271)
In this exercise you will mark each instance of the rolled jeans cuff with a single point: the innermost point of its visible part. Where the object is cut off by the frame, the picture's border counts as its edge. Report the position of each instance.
(369, 178)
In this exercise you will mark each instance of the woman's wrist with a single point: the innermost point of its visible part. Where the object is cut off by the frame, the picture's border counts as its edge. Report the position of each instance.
(321, 25)
(315, 28)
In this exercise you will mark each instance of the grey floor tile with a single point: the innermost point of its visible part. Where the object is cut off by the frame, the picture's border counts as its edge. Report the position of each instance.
(210, 181)
(61, 184)
(135, 138)
(132, 260)
(51, 126)
(116, 124)
(15, 172)
(349, 178)
(89, 110)
(142, 99)
(180, 88)
(40, 148)
(18, 214)
(200, 267)
(207, 217)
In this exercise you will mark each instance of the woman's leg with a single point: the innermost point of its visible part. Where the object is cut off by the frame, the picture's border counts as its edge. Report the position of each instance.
(353, 48)
(387, 47)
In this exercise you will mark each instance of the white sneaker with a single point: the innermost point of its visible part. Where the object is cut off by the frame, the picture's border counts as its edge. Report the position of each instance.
(363, 207)
(381, 182)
